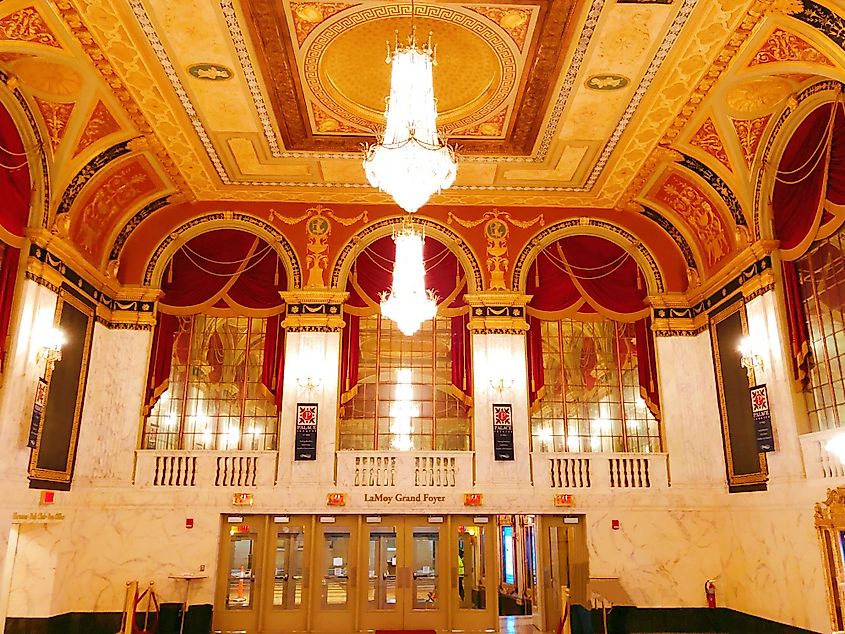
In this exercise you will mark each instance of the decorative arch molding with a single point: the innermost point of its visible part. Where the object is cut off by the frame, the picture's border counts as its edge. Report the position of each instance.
(91, 169)
(782, 130)
(39, 175)
(142, 214)
(718, 185)
(369, 234)
(599, 228)
(677, 237)
(222, 220)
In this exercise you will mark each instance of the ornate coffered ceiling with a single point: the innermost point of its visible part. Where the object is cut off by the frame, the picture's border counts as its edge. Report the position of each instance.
(657, 117)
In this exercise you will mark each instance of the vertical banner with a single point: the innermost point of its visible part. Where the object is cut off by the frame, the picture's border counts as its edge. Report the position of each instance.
(502, 432)
(762, 419)
(37, 409)
(305, 443)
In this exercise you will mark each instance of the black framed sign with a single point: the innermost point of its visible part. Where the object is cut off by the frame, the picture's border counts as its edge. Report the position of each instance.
(502, 431)
(37, 410)
(762, 418)
(305, 442)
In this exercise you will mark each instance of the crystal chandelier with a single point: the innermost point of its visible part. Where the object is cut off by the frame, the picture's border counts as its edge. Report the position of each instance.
(408, 303)
(410, 162)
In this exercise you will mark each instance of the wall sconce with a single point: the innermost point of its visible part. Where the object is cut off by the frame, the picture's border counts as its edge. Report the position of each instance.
(749, 360)
(309, 383)
(501, 384)
(50, 351)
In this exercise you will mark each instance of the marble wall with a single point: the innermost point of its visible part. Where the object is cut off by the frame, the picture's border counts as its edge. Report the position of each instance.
(759, 547)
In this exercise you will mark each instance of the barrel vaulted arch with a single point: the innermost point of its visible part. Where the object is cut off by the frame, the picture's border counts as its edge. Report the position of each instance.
(166, 248)
(645, 259)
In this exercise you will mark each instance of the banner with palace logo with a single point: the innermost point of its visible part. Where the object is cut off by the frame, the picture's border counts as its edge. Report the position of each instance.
(762, 419)
(305, 442)
(502, 431)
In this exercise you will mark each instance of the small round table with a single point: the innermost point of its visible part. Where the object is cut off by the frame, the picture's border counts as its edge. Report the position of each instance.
(187, 578)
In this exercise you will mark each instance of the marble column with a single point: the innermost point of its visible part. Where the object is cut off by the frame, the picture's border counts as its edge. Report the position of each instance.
(498, 325)
(313, 329)
(689, 403)
(111, 415)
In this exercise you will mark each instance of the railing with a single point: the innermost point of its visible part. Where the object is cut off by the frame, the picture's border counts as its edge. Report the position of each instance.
(163, 468)
(430, 469)
(600, 470)
(818, 461)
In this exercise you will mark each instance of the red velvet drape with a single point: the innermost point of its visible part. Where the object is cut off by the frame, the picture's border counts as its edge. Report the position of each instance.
(584, 275)
(796, 320)
(231, 272)
(161, 357)
(372, 274)
(15, 186)
(273, 370)
(9, 257)
(647, 365)
(811, 172)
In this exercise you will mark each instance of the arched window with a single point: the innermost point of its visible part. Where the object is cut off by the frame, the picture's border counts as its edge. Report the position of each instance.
(400, 392)
(808, 206)
(216, 370)
(590, 351)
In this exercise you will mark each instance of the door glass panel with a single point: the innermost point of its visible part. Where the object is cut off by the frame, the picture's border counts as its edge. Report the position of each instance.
(424, 553)
(381, 583)
(335, 569)
(239, 584)
(287, 585)
(472, 568)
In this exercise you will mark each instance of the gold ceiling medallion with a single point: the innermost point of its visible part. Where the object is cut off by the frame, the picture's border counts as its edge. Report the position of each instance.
(210, 72)
(607, 81)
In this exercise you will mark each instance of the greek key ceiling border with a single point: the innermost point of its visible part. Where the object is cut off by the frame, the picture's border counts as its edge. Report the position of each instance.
(533, 245)
(247, 68)
(296, 270)
(353, 243)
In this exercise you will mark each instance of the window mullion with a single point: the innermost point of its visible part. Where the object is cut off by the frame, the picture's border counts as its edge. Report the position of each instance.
(618, 356)
(180, 443)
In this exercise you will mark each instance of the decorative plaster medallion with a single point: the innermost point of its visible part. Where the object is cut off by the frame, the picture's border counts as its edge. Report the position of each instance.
(211, 72)
(607, 81)
(758, 96)
(55, 79)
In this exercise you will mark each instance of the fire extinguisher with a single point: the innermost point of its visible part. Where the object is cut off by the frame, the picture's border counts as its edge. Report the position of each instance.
(710, 593)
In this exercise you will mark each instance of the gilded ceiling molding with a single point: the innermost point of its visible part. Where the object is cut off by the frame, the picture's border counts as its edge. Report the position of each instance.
(753, 281)
(100, 61)
(589, 226)
(49, 270)
(454, 242)
(223, 220)
(776, 142)
(543, 145)
(496, 232)
(823, 20)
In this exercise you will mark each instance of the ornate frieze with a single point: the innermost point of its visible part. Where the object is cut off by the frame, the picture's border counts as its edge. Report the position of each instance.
(314, 310)
(497, 312)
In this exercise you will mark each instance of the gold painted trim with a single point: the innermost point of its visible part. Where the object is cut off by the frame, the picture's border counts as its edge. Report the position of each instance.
(733, 479)
(49, 474)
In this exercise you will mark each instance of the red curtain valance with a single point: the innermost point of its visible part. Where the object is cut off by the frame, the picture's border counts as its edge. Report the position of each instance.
(809, 189)
(582, 276)
(372, 274)
(223, 272)
(586, 274)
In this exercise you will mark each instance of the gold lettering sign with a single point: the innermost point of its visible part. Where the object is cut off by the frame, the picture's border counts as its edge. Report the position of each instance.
(402, 498)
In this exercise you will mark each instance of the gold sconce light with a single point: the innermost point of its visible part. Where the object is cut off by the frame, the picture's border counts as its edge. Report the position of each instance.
(50, 351)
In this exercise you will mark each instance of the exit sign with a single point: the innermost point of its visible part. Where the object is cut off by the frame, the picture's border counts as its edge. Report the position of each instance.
(564, 499)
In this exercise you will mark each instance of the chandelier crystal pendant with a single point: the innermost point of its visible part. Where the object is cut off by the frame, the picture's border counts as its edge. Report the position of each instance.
(410, 162)
(408, 303)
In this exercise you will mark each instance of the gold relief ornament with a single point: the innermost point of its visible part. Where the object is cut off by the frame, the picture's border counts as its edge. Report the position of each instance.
(318, 229)
(699, 213)
(61, 226)
(27, 25)
(783, 46)
(496, 232)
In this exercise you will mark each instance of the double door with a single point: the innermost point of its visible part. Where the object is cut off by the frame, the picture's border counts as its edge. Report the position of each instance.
(348, 573)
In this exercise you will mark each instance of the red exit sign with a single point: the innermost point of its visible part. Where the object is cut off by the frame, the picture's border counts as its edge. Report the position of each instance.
(564, 499)
(473, 499)
(336, 499)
